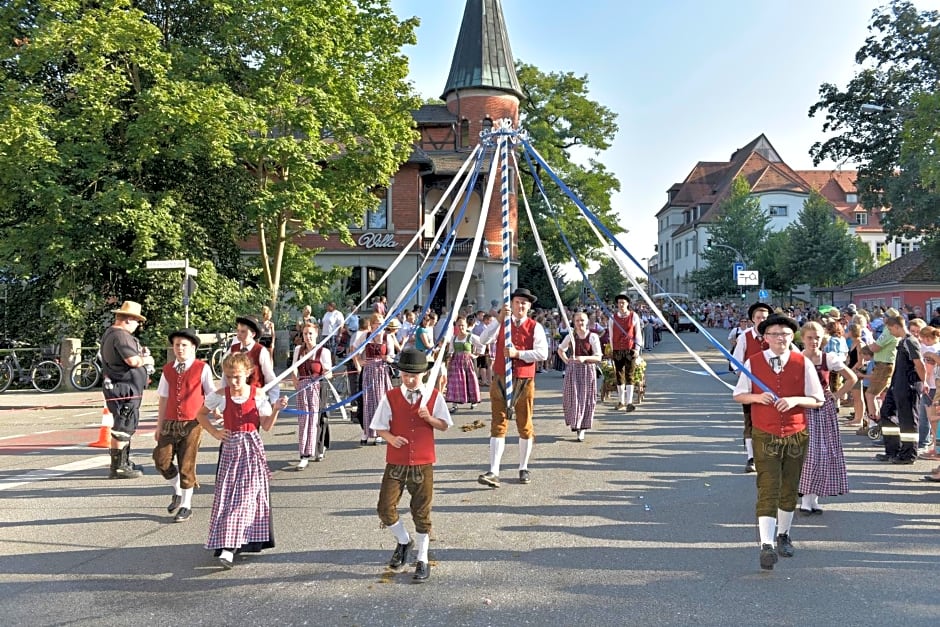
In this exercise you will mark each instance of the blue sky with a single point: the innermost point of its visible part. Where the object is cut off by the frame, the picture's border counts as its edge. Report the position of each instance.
(689, 80)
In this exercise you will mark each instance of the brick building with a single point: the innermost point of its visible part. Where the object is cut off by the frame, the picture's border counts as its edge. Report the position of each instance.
(482, 86)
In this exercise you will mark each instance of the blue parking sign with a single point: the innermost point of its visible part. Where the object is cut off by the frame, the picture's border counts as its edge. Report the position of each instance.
(736, 267)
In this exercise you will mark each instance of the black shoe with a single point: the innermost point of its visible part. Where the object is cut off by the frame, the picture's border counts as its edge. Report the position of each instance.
(884, 457)
(784, 546)
(422, 572)
(630, 407)
(807, 512)
(524, 476)
(226, 563)
(489, 479)
(363, 442)
(903, 460)
(768, 557)
(183, 515)
(816, 511)
(749, 466)
(174, 503)
(400, 555)
(125, 472)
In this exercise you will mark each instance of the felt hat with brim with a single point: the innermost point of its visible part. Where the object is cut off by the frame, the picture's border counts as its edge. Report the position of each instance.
(777, 320)
(413, 361)
(251, 322)
(131, 309)
(622, 297)
(189, 334)
(522, 292)
(755, 307)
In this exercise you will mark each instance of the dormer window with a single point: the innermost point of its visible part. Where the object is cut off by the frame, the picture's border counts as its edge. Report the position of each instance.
(861, 218)
(851, 198)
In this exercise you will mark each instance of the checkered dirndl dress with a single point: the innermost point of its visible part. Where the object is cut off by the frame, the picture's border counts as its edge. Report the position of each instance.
(579, 395)
(824, 471)
(462, 384)
(375, 382)
(241, 510)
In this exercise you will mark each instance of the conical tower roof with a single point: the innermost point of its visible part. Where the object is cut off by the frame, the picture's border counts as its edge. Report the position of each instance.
(483, 57)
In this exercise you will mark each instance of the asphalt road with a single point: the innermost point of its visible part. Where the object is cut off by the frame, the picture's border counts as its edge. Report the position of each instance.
(649, 522)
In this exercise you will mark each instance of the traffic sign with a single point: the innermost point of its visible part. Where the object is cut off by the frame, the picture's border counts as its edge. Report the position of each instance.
(738, 267)
(748, 277)
(166, 264)
(762, 294)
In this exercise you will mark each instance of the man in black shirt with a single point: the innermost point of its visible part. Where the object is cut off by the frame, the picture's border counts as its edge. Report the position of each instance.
(906, 387)
(935, 321)
(124, 363)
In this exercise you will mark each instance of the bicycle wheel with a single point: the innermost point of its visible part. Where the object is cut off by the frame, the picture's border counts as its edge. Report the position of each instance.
(215, 362)
(46, 376)
(6, 375)
(85, 375)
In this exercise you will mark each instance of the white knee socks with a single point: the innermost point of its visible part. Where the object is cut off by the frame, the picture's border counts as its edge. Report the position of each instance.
(175, 481)
(621, 396)
(187, 501)
(628, 390)
(422, 540)
(401, 534)
(767, 525)
(497, 446)
(784, 520)
(525, 450)
(749, 447)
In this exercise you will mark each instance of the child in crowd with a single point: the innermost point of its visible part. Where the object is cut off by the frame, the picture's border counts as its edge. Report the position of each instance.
(241, 511)
(406, 418)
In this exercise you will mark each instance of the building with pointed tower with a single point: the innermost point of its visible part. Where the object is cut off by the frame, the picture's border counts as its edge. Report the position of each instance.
(481, 88)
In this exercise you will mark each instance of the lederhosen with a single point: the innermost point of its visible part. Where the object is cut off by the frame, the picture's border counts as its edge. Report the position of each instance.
(622, 343)
(411, 466)
(523, 378)
(181, 433)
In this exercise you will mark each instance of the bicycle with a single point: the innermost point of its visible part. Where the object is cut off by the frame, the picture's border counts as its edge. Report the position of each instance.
(224, 341)
(86, 374)
(45, 376)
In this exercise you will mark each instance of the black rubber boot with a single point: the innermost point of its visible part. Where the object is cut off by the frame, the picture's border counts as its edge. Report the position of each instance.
(116, 457)
(121, 467)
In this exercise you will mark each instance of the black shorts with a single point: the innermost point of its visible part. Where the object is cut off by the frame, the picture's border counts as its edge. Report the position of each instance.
(483, 361)
(123, 401)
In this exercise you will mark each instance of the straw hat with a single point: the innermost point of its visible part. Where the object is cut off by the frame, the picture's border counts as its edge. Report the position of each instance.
(394, 324)
(131, 309)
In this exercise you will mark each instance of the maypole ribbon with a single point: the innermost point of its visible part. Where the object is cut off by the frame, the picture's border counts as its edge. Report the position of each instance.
(503, 149)
(610, 238)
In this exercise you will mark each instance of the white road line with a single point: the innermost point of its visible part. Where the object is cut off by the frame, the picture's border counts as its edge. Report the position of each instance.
(33, 476)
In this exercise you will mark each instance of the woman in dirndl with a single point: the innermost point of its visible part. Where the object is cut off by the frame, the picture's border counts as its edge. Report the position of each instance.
(824, 465)
(462, 383)
(312, 435)
(241, 510)
(376, 380)
(580, 391)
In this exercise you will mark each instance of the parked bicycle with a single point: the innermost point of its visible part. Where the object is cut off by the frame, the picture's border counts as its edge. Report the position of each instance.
(86, 374)
(224, 342)
(44, 376)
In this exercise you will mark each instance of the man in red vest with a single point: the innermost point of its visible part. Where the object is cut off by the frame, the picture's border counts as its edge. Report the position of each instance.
(248, 329)
(750, 343)
(182, 391)
(528, 346)
(626, 342)
(779, 430)
(406, 419)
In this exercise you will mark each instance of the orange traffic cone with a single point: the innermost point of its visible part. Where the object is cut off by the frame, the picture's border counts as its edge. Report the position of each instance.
(104, 433)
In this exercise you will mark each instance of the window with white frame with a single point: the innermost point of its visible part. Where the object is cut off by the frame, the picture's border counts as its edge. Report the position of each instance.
(861, 218)
(905, 248)
(851, 198)
(778, 211)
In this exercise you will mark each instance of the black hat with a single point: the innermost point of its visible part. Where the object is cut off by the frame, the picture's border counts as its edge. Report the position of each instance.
(251, 322)
(189, 334)
(522, 292)
(413, 361)
(779, 320)
(755, 307)
(622, 297)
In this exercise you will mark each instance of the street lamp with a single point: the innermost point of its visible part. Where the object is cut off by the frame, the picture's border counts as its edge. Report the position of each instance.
(871, 107)
(732, 249)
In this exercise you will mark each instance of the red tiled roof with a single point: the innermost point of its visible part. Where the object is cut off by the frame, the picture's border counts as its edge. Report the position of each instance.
(914, 267)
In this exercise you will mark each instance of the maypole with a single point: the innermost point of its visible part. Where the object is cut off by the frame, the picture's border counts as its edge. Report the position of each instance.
(504, 128)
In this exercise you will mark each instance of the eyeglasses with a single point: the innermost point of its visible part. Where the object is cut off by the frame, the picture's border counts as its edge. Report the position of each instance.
(778, 334)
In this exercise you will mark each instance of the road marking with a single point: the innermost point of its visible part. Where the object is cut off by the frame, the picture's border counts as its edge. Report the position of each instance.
(33, 476)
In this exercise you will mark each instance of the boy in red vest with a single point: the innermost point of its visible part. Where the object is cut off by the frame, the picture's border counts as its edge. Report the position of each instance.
(406, 419)
(248, 330)
(747, 345)
(184, 385)
(778, 426)
(626, 342)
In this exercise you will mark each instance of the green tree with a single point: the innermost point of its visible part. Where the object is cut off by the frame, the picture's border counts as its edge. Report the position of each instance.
(741, 226)
(899, 69)
(138, 130)
(822, 252)
(570, 131)
(608, 281)
(532, 275)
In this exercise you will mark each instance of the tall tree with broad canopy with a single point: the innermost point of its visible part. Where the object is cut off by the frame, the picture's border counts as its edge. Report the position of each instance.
(899, 70)
(821, 251)
(132, 131)
(570, 131)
